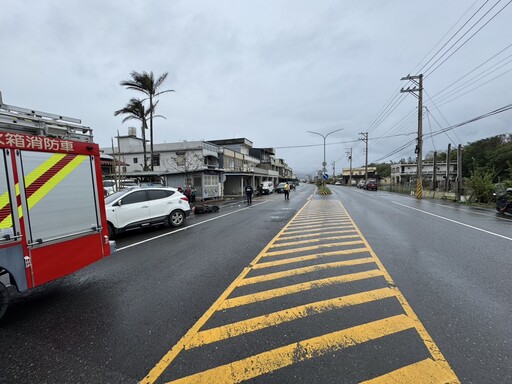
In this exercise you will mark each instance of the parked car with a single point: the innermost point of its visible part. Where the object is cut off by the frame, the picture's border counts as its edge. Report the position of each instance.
(137, 207)
(267, 187)
(371, 185)
(361, 184)
(280, 188)
(337, 183)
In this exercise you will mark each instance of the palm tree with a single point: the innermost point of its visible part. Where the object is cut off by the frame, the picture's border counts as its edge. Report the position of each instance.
(135, 110)
(145, 82)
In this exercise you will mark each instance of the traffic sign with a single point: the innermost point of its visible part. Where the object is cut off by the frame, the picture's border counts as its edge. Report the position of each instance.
(326, 176)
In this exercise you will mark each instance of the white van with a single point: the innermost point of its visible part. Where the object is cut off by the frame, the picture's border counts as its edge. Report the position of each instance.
(267, 187)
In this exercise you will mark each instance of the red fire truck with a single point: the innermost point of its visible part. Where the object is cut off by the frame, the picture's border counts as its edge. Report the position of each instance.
(52, 211)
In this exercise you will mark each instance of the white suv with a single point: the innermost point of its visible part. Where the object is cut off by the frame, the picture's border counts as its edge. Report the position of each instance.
(137, 207)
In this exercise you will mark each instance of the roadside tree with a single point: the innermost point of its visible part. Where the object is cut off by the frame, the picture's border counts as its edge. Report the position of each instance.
(186, 163)
(135, 110)
(147, 84)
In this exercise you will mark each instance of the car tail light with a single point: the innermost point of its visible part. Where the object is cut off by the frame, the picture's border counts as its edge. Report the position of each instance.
(184, 198)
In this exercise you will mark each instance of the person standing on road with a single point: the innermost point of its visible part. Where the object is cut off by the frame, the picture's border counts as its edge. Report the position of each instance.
(188, 193)
(248, 192)
(193, 194)
(286, 190)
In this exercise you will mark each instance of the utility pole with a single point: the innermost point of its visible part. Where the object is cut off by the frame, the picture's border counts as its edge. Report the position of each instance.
(459, 172)
(349, 155)
(365, 139)
(434, 175)
(418, 81)
(448, 163)
(334, 170)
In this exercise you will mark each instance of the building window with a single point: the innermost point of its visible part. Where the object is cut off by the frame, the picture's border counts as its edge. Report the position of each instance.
(156, 159)
(135, 160)
(180, 159)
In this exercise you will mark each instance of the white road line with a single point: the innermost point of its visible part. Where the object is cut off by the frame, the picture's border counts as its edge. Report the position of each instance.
(472, 211)
(189, 226)
(454, 221)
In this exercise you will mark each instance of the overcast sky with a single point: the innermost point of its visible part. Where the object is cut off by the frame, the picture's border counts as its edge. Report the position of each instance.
(268, 70)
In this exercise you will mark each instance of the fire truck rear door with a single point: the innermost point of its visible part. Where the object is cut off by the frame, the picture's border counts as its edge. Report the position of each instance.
(60, 210)
(11, 249)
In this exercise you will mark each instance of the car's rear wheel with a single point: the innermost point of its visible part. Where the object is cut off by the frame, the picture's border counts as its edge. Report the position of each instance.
(111, 231)
(176, 218)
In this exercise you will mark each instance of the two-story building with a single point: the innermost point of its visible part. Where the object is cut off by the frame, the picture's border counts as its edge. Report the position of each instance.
(214, 168)
(404, 173)
(194, 163)
(357, 174)
(244, 165)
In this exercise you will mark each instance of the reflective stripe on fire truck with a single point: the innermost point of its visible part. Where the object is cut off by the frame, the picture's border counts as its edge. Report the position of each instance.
(39, 183)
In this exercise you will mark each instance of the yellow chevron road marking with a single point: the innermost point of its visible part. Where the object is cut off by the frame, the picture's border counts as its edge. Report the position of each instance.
(284, 238)
(437, 369)
(427, 339)
(273, 319)
(424, 372)
(320, 230)
(299, 259)
(310, 241)
(329, 224)
(319, 221)
(304, 270)
(278, 358)
(312, 248)
(290, 289)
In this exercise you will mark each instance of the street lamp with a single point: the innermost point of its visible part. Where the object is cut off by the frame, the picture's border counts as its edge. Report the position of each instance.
(324, 164)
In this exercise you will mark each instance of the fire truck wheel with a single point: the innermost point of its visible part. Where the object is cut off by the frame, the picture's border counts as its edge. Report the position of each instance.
(176, 218)
(4, 299)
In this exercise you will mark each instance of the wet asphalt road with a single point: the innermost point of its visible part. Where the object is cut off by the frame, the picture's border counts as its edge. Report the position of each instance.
(453, 263)
(113, 321)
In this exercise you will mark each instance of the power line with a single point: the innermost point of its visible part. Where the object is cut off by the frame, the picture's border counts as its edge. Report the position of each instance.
(444, 130)
(401, 125)
(393, 103)
(414, 70)
(397, 98)
(390, 107)
(341, 142)
(474, 69)
(439, 110)
(484, 116)
(453, 36)
(481, 85)
(469, 38)
(476, 79)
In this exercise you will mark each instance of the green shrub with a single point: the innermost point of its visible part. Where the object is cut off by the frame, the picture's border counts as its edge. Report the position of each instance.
(323, 190)
(481, 184)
